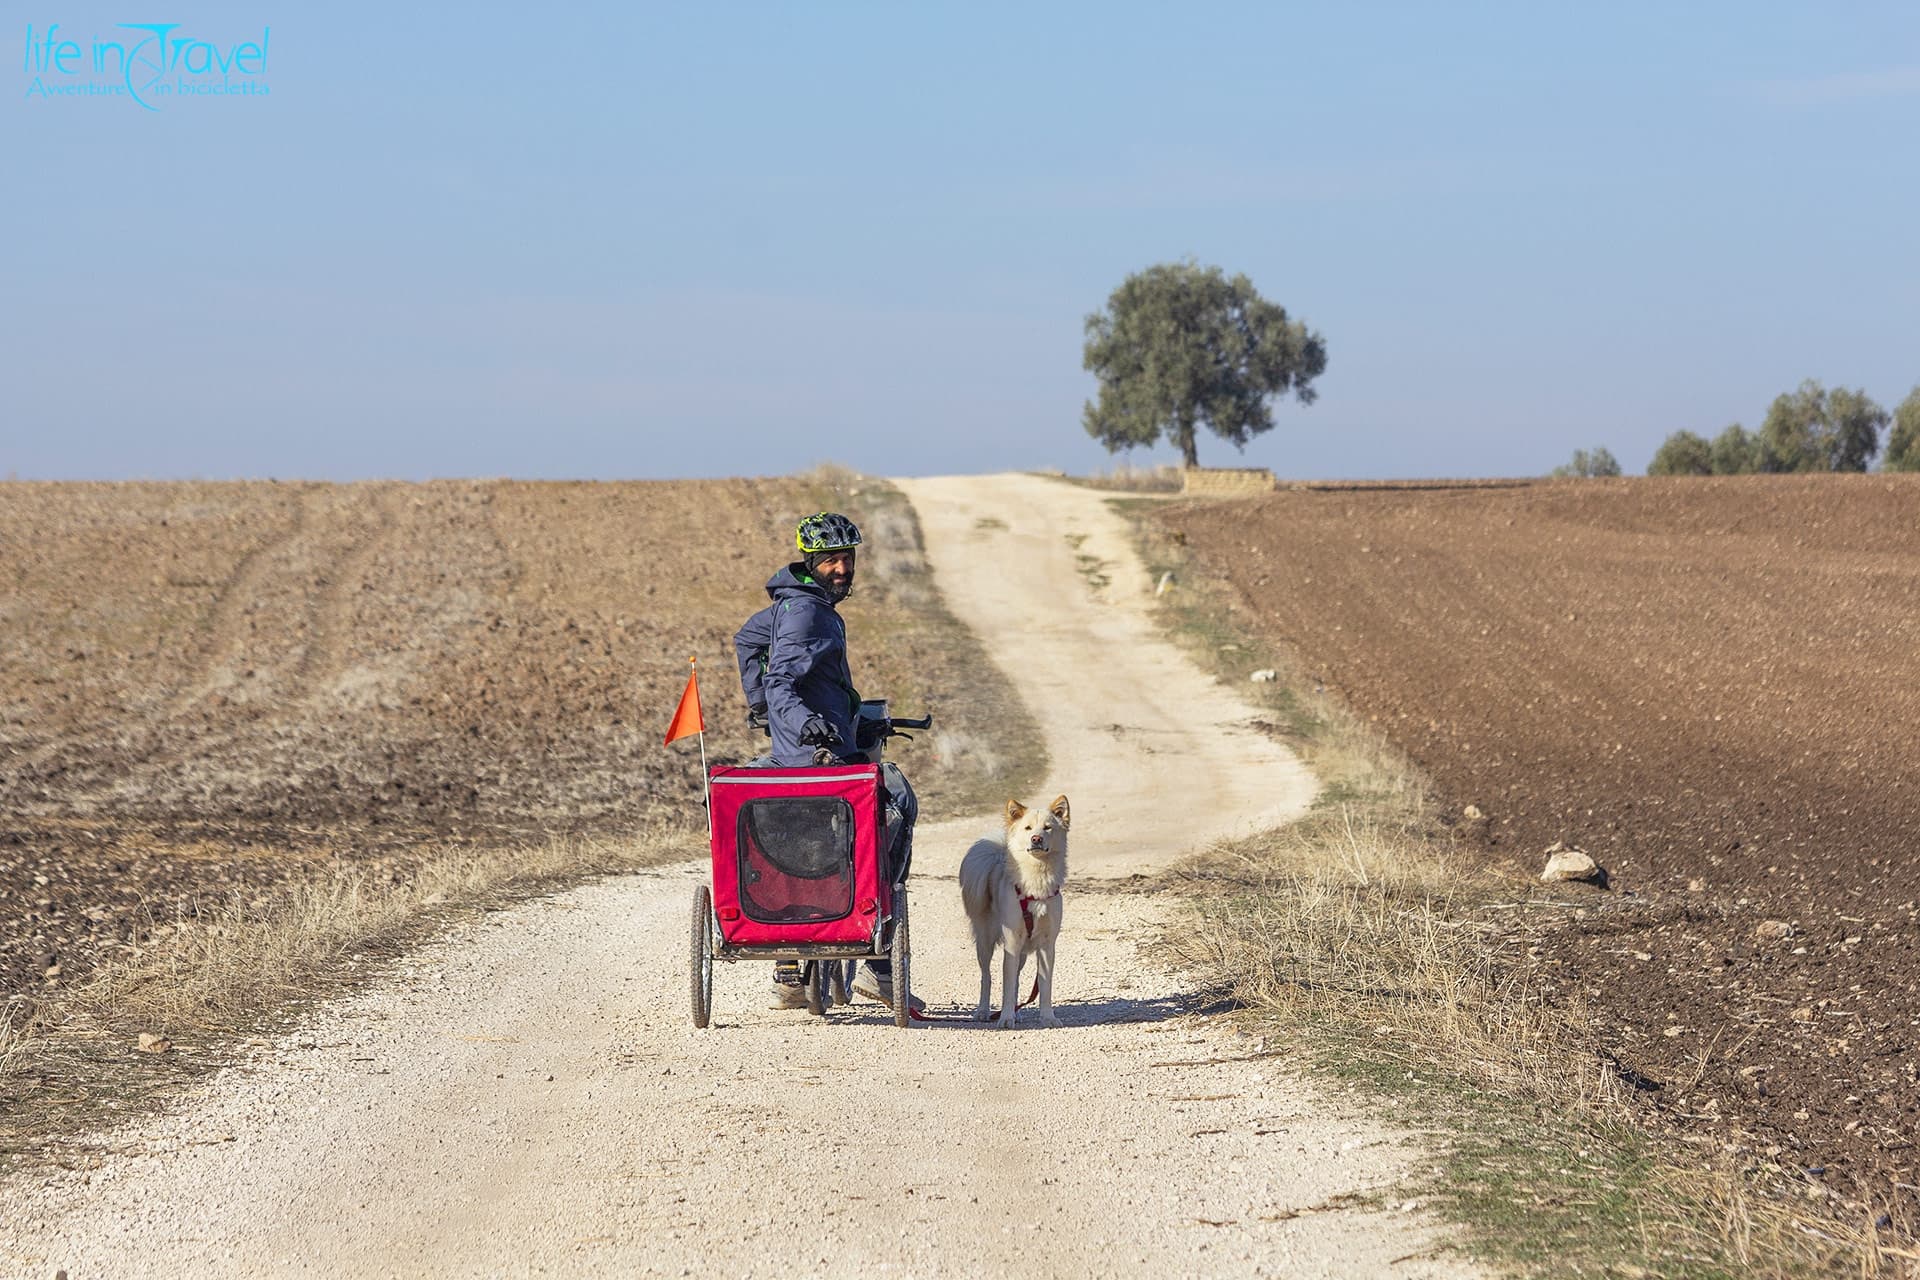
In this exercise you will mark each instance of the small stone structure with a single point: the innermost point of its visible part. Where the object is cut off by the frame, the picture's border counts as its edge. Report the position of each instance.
(1226, 482)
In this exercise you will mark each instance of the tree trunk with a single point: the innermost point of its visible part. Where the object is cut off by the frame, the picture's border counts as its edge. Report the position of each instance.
(1189, 454)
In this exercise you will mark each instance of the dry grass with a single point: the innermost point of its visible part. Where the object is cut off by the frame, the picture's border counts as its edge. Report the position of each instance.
(1346, 917)
(1399, 958)
(1739, 1210)
(1404, 961)
(13, 1037)
(1124, 477)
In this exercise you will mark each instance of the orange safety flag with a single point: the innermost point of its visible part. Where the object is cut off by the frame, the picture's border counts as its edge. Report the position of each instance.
(687, 718)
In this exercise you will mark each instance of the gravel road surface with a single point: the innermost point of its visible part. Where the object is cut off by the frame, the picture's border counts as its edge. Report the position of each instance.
(527, 1096)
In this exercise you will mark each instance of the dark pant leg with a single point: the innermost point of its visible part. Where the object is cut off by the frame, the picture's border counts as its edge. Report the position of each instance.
(900, 810)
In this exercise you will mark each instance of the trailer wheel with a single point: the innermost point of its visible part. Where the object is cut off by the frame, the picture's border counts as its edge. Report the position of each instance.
(902, 954)
(700, 969)
(816, 971)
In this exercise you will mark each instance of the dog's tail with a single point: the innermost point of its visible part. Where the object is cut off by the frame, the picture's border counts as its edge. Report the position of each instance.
(976, 881)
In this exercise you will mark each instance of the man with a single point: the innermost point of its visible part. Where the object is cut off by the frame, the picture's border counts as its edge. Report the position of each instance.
(799, 687)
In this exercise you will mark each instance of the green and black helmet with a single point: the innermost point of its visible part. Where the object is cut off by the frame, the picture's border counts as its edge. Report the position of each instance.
(827, 531)
(823, 535)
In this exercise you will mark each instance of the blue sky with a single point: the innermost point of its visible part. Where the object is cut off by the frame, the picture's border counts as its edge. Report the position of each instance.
(633, 240)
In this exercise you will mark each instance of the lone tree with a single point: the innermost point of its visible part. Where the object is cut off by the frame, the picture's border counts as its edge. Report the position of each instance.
(1182, 346)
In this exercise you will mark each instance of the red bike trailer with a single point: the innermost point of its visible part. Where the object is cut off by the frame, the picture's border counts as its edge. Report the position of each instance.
(798, 874)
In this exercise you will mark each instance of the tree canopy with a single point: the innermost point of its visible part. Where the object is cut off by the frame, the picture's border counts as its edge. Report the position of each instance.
(1684, 453)
(1808, 429)
(1903, 443)
(1736, 452)
(1588, 466)
(1813, 429)
(1181, 346)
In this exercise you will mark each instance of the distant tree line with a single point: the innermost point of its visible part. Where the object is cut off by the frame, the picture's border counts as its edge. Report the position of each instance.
(1807, 429)
(1588, 464)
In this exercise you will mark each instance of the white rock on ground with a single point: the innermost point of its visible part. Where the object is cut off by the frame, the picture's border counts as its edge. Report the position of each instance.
(1565, 863)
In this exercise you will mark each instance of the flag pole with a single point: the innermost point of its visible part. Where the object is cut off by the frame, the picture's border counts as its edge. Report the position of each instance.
(706, 783)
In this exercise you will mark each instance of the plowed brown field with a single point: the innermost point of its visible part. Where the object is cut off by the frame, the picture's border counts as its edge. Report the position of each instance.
(205, 687)
(1710, 685)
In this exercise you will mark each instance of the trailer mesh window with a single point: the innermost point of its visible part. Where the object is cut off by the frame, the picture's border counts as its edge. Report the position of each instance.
(796, 858)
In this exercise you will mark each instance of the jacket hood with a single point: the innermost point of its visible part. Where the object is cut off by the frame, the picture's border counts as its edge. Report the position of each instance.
(792, 580)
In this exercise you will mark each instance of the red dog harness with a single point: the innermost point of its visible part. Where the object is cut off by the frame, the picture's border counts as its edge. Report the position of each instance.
(1026, 907)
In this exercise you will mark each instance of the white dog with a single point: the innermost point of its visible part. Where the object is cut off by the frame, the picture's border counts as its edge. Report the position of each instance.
(1011, 887)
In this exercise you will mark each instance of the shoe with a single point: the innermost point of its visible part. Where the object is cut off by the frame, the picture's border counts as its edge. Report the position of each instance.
(874, 987)
(788, 990)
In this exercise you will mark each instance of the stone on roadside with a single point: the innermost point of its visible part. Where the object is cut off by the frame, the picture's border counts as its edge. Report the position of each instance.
(1772, 931)
(1474, 825)
(1566, 863)
(1265, 675)
(151, 1042)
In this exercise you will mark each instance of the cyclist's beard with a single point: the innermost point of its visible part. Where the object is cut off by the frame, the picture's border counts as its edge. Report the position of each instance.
(837, 591)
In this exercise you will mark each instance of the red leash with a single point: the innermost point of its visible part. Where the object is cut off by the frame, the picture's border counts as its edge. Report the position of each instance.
(1026, 915)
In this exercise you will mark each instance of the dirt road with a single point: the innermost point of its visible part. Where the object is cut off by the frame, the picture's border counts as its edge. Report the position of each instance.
(528, 1097)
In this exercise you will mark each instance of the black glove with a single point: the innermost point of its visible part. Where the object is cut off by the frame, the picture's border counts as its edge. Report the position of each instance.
(816, 732)
(757, 719)
(868, 732)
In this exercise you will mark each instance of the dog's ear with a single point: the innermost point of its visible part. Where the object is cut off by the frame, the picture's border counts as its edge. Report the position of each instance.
(1059, 810)
(1015, 811)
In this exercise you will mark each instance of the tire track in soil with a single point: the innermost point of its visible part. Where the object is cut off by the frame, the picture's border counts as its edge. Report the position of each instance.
(330, 610)
(224, 614)
(224, 621)
(183, 729)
